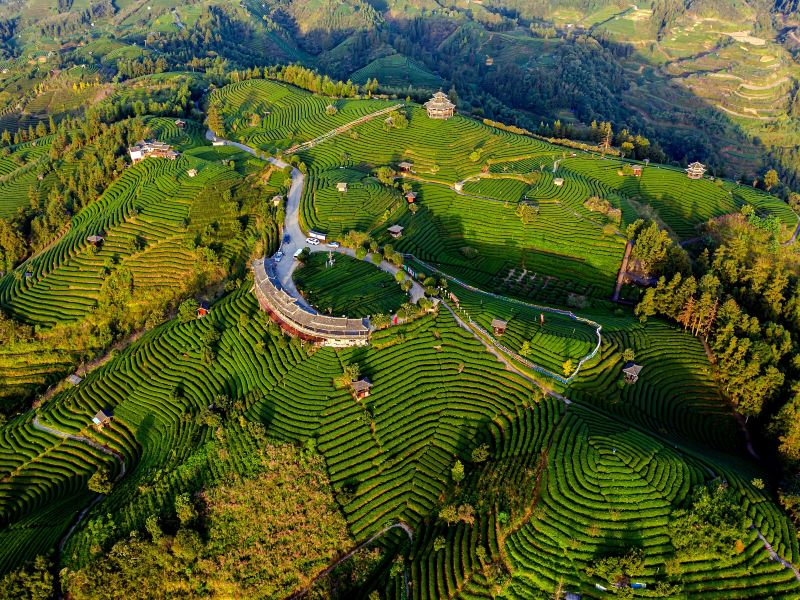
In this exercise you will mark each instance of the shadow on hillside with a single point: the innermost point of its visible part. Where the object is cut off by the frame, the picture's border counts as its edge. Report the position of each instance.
(443, 239)
(587, 78)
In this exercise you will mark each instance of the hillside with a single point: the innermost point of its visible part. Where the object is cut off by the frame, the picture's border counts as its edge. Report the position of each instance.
(509, 463)
(270, 329)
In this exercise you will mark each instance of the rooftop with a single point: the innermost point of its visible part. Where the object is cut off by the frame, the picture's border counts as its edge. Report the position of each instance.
(362, 385)
(305, 320)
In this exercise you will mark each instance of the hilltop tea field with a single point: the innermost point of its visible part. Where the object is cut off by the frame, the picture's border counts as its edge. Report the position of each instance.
(489, 441)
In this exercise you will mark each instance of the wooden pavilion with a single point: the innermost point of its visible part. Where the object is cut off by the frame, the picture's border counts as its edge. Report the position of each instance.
(342, 186)
(395, 231)
(411, 197)
(695, 170)
(361, 388)
(631, 372)
(95, 240)
(405, 166)
(637, 170)
(499, 326)
(440, 107)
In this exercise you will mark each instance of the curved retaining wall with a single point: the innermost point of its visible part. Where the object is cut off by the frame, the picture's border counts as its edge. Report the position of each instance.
(300, 320)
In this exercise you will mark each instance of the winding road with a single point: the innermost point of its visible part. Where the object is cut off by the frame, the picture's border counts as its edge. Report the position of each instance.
(297, 237)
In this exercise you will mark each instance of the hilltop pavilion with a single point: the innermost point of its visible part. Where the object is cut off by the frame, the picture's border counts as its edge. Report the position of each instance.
(695, 170)
(440, 107)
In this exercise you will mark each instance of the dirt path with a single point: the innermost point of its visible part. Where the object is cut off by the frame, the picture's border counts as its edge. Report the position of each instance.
(774, 555)
(623, 270)
(83, 440)
(341, 129)
(408, 531)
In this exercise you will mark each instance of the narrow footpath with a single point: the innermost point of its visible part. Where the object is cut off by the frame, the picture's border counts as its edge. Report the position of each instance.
(408, 531)
(82, 514)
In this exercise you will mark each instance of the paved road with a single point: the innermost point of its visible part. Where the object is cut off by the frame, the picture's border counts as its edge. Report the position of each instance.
(297, 237)
(774, 555)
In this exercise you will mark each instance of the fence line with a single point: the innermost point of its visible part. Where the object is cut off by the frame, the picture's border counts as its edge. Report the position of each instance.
(569, 314)
(341, 129)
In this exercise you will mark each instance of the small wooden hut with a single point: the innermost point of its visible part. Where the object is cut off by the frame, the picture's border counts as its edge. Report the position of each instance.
(631, 372)
(499, 326)
(411, 197)
(395, 231)
(361, 388)
(102, 418)
(342, 186)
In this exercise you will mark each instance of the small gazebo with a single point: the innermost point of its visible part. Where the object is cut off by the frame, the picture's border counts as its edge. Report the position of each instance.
(499, 326)
(95, 240)
(637, 170)
(361, 388)
(631, 372)
(342, 186)
(695, 170)
(411, 197)
(395, 231)
(405, 166)
(440, 107)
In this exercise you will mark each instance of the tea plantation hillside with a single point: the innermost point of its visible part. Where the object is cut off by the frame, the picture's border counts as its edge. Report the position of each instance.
(485, 443)
(348, 286)
(476, 232)
(437, 397)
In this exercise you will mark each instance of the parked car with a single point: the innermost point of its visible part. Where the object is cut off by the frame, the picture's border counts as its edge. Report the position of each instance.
(312, 241)
(333, 244)
(278, 256)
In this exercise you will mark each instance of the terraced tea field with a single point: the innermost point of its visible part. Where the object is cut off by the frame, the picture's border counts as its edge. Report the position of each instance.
(509, 491)
(287, 115)
(397, 71)
(350, 287)
(437, 395)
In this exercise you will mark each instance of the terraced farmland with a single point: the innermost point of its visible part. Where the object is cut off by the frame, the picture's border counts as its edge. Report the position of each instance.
(437, 395)
(366, 204)
(609, 488)
(287, 115)
(510, 492)
(143, 217)
(353, 288)
(397, 71)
